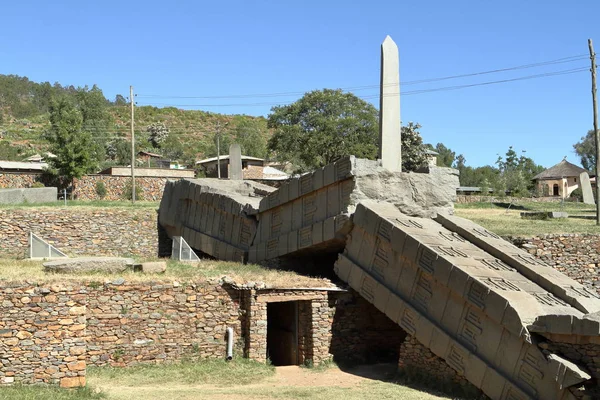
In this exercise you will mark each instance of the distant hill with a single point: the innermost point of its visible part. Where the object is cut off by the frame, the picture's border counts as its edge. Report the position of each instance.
(24, 118)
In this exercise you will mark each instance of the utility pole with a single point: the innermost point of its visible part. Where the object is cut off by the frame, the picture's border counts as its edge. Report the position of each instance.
(132, 147)
(219, 147)
(218, 150)
(596, 134)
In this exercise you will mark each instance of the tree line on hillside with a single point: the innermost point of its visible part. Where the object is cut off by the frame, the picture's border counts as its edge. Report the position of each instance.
(27, 125)
(87, 132)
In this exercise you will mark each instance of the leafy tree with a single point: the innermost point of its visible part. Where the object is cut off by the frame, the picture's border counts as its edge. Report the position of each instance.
(323, 126)
(413, 149)
(586, 150)
(157, 134)
(251, 137)
(96, 120)
(120, 100)
(445, 156)
(72, 146)
(119, 150)
(516, 172)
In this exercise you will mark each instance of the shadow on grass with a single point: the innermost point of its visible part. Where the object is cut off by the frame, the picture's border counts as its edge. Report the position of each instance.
(388, 372)
(511, 206)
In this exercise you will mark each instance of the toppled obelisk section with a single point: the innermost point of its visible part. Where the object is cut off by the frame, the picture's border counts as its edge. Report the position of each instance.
(313, 211)
(213, 216)
(475, 300)
(470, 308)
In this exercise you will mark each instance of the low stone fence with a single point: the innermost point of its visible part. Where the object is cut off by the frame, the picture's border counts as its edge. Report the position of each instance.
(81, 231)
(118, 187)
(465, 199)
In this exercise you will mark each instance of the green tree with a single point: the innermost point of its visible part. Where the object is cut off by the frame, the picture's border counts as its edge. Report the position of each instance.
(413, 149)
(250, 135)
(445, 156)
(120, 100)
(72, 146)
(96, 120)
(517, 172)
(158, 132)
(586, 150)
(323, 126)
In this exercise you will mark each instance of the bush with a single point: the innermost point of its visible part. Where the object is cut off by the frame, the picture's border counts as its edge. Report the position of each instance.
(37, 185)
(577, 195)
(139, 192)
(101, 189)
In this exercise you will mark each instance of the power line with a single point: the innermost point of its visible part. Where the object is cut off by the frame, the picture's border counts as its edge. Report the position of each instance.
(408, 93)
(365, 87)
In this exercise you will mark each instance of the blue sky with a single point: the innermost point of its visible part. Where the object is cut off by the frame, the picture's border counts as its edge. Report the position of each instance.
(228, 48)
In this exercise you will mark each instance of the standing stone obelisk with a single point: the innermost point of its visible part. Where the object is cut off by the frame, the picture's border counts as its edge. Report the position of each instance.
(390, 151)
(235, 163)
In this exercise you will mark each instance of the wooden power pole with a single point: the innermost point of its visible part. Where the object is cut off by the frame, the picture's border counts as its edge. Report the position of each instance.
(132, 147)
(596, 134)
(218, 150)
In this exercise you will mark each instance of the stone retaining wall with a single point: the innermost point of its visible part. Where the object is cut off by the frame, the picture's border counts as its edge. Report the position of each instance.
(81, 231)
(42, 334)
(147, 188)
(418, 361)
(156, 322)
(48, 334)
(13, 180)
(575, 255)
(465, 199)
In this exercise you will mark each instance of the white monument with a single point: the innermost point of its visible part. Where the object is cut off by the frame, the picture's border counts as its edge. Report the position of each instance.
(390, 151)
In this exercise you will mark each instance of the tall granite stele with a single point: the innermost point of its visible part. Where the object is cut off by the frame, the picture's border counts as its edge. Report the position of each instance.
(235, 163)
(390, 139)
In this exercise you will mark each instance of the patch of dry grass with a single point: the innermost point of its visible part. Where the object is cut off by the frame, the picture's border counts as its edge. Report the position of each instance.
(33, 271)
(509, 222)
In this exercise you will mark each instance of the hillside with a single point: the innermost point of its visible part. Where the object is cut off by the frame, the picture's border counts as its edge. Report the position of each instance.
(24, 118)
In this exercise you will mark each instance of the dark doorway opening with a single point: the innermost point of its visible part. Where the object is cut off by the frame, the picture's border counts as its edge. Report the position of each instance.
(555, 190)
(282, 333)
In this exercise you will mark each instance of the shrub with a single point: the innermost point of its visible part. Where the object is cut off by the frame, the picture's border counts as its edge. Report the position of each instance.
(37, 185)
(101, 189)
(139, 192)
(577, 194)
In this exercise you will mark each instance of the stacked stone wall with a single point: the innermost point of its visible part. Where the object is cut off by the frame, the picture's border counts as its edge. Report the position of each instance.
(360, 332)
(13, 180)
(49, 334)
(42, 334)
(157, 322)
(147, 188)
(417, 360)
(466, 199)
(81, 231)
(575, 255)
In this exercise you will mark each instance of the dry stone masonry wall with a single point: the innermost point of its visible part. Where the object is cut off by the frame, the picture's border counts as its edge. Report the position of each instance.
(575, 255)
(147, 188)
(81, 231)
(158, 321)
(48, 334)
(42, 334)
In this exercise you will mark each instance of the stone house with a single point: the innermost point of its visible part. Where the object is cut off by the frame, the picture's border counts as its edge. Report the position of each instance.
(559, 180)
